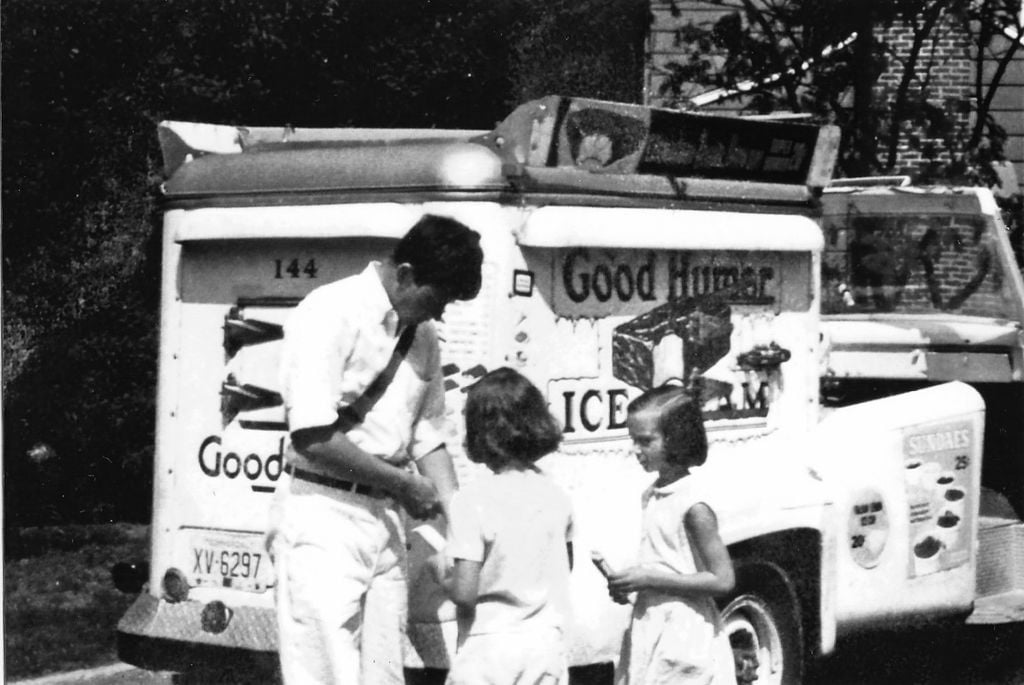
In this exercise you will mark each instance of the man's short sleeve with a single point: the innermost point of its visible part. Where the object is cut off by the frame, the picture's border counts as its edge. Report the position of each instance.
(315, 348)
(465, 529)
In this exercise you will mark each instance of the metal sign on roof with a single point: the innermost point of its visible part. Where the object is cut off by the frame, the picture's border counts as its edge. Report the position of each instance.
(617, 138)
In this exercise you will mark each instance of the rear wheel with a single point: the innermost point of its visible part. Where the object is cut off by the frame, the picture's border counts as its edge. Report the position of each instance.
(763, 625)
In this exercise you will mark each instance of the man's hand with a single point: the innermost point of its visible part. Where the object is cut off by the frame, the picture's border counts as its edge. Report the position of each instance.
(330, 446)
(419, 497)
(441, 569)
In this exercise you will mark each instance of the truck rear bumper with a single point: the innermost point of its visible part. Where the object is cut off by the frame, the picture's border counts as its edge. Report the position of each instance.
(170, 636)
(160, 635)
(157, 635)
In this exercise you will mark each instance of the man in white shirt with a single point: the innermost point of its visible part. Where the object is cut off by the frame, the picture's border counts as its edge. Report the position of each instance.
(364, 396)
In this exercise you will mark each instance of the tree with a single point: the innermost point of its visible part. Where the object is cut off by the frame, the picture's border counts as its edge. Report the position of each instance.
(84, 86)
(824, 59)
(961, 123)
(998, 30)
(568, 47)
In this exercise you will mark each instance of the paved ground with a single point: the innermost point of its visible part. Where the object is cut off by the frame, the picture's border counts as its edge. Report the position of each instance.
(114, 674)
(979, 655)
(958, 655)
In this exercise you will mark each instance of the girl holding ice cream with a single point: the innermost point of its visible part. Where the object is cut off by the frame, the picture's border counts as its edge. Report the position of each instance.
(676, 634)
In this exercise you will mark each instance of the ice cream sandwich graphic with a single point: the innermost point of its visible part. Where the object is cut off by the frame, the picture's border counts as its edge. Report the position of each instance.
(703, 325)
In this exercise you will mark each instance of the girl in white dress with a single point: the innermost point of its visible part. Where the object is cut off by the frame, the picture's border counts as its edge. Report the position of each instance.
(676, 633)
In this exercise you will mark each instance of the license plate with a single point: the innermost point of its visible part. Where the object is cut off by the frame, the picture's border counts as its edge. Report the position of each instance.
(234, 560)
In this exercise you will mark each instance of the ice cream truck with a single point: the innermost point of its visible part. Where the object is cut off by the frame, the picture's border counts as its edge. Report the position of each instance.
(625, 247)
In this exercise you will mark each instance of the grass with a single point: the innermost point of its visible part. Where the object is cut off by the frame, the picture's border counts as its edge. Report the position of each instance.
(60, 606)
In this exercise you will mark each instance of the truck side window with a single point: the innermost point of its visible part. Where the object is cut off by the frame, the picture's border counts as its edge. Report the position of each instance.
(912, 264)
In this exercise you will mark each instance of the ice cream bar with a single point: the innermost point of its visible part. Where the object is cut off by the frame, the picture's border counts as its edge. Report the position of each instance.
(601, 564)
(431, 536)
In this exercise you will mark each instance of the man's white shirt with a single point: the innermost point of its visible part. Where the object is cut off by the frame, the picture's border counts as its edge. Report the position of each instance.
(337, 341)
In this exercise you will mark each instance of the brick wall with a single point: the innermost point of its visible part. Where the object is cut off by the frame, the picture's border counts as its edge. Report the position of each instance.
(943, 70)
(947, 64)
(948, 68)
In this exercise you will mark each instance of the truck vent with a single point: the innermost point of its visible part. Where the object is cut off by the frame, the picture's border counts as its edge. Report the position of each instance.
(237, 398)
(239, 331)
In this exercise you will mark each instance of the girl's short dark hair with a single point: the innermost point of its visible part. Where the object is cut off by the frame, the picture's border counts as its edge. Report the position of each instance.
(507, 419)
(680, 421)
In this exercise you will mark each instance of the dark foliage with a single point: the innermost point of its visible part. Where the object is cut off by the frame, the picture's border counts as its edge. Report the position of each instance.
(83, 87)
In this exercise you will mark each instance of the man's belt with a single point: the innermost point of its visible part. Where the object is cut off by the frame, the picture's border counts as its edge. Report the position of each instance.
(336, 483)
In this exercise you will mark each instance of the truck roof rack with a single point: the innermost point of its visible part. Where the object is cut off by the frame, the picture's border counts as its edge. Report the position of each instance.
(183, 141)
(553, 145)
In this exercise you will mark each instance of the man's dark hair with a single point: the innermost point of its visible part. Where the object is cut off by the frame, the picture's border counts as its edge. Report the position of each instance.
(507, 419)
(443, 253)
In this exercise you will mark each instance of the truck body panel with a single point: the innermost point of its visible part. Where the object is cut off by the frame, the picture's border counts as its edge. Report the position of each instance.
(894, 463)
(922, 288)
(559, 330)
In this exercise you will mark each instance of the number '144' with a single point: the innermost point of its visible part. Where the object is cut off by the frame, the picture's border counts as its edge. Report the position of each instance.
(294, 268)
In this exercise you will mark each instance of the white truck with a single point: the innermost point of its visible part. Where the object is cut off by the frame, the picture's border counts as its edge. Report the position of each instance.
(624, 247)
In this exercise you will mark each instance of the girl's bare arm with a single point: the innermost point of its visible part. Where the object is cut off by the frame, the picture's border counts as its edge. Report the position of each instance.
(464, 586)
(715, 575)
(709, 550)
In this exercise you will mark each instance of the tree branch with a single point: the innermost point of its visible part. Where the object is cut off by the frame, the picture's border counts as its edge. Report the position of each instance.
(990, 23)
(921, 32)
(986, 104)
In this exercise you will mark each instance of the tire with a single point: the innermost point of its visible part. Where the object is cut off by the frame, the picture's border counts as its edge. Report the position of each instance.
(762, 621)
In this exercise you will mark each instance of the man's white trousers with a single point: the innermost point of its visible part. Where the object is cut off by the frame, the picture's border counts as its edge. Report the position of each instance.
(341, 589)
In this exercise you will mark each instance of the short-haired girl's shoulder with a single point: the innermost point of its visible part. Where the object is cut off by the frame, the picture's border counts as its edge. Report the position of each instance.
(556, 490)
(472, 497)
(701, 513)
(561, 501)
(562, 496)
